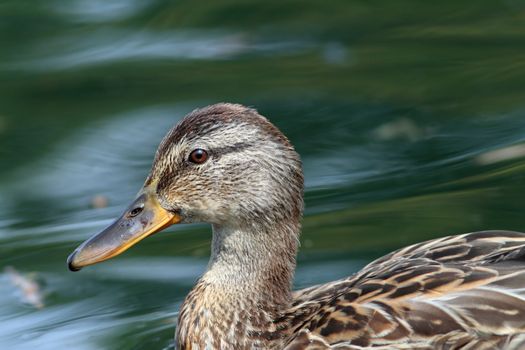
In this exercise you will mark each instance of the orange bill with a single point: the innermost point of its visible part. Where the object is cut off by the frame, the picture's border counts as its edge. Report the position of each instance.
(143, 218)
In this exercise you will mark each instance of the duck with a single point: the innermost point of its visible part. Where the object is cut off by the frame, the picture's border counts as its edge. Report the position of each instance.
(230, 167)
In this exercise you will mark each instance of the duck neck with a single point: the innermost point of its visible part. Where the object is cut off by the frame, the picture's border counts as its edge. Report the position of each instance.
(261, 261)
(246, 286)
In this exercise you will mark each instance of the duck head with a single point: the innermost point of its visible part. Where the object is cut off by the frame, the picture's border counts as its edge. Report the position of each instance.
(225, 165)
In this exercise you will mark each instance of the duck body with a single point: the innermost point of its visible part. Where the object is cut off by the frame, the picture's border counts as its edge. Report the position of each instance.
(230, 167)
(457, 292)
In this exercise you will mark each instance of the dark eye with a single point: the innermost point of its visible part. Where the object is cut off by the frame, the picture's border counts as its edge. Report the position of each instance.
(198, 156)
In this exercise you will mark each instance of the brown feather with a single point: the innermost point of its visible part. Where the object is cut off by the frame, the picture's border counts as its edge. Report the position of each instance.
(457, 292)
(466, 291)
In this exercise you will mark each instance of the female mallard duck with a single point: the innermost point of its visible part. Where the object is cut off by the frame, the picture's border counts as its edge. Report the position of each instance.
(229, 166)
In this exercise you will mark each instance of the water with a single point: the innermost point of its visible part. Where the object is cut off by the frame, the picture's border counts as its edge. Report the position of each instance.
(409, 116)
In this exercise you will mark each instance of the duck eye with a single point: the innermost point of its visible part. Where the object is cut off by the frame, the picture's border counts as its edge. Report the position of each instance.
(198, 156)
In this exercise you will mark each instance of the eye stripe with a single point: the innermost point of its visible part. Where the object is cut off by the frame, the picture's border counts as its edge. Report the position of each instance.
(237, 147)
(168, 172)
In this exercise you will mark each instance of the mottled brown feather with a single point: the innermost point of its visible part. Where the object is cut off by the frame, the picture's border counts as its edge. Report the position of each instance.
(465, 291)
(456, 292)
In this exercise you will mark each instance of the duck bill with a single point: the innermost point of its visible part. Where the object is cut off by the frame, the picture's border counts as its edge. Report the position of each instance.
(143, 218)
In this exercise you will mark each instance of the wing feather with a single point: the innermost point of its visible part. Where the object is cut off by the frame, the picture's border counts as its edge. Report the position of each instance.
(465, 291)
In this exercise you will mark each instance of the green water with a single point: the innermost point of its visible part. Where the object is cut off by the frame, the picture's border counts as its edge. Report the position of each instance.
(409, 116)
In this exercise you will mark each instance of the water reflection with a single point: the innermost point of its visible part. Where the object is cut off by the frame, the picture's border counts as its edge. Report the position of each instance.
(410, 125)
(99, 10)
(108, 46)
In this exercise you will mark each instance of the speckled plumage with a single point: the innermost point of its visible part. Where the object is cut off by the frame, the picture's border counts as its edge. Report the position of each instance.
(458, 292)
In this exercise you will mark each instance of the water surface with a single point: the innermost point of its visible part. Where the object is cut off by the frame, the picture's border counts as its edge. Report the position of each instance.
(409, 116)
